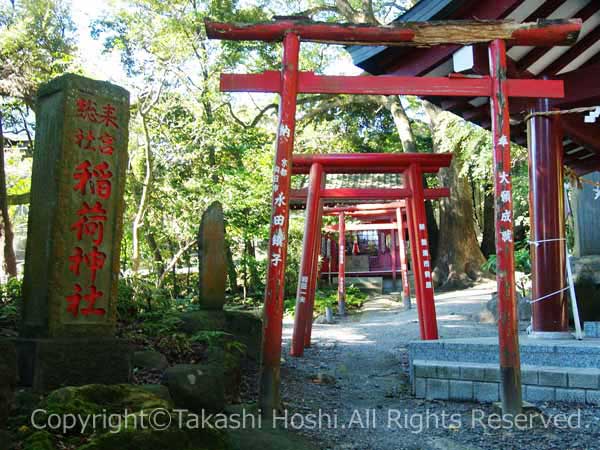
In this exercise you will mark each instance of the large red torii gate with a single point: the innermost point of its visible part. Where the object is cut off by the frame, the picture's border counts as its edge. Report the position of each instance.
(290, 82)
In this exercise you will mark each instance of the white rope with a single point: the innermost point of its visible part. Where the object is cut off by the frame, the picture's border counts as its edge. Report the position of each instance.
(537, 243)
(549, 295)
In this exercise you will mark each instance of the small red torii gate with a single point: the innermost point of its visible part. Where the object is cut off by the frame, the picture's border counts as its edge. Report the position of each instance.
(395, 210)
(291, 81)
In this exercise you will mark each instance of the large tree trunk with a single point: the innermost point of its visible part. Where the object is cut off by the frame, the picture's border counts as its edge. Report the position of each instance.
(459, 258)
(488, 241)
(10, 260)
(138, 220)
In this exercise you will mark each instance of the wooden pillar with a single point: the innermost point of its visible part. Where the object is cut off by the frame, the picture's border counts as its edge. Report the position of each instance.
(342, 265)
(546, 200)
(269, 395)
(314, 278)
(508, 337)
(393, 254)
(420, 253)
(307, 260)
(403, 260)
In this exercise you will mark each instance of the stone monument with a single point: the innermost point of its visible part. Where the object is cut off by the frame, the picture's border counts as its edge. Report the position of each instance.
(212, 260)
(68, 316)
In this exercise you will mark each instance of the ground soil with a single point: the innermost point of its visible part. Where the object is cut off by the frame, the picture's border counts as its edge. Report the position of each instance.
(359, 364)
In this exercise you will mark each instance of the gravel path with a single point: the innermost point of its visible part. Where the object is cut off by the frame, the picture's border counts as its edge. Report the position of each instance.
(356, 377)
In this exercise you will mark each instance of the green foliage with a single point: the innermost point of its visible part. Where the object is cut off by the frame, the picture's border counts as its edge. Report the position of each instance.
(324, 298)
(10, 299)
(522, 260)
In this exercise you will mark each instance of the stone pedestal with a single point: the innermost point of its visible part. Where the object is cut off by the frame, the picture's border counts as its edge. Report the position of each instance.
(47, 364)
(68, 317)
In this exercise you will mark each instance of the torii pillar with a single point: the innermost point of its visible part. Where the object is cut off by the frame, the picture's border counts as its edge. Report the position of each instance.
(548, 251)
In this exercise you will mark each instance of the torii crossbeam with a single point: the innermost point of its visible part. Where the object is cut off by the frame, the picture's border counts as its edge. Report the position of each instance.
(290, 82)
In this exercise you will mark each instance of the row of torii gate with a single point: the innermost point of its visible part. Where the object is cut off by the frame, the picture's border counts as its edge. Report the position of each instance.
(290, 82)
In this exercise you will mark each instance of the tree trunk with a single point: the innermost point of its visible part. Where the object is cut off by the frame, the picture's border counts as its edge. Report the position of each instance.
(158, 259)
(407, 138)
(488, 241)
(10, 260)
(138, 220)
(459, 258)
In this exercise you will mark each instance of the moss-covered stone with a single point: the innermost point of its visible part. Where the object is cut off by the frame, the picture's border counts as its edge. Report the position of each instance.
(149, 359)
(8, 378)
(247, 327)
(172, 439)
(40, 440)
(197, 387)
(99, 398)
(205, 320)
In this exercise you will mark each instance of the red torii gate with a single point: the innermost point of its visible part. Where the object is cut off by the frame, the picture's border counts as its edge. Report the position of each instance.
(390, 211)
(290, 82)
(413, 166)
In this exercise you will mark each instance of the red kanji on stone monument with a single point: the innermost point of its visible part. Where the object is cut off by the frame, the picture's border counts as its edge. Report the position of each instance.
(98, 179)
(91, 302)
(84, 140)
(107, 144)
(74, 302)
(102, 176)
(108, 117)
(76, 258)
(83, 175)
(91, 222)
(86, 109)
(94, 260)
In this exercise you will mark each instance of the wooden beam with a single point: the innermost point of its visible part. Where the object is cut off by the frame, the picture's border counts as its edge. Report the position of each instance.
(417, 34)
(534, 54)
(309, 83)
(582, 88)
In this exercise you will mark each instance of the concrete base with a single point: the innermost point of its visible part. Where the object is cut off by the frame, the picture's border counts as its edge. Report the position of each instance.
(551, 335)
(468, 369)
(47, 364)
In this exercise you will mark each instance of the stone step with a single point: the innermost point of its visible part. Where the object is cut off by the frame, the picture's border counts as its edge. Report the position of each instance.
(468, 381)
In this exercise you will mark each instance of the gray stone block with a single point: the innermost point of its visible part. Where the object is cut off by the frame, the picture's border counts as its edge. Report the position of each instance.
(486, 392)
(585, 378)
(552, 377)
(592, 397)
(448, 370)
(420, 387)
(540, 394)
(491, 374)
(570, 395)
(529, 376)
(461, 390)
(590, 329)
(437, 389)
(473, 372)
(425, 369)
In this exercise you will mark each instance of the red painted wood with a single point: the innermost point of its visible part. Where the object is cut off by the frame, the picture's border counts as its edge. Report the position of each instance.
(536, 53)
(542, 34)
(363, 226)
(269, 396)
(548, 259)
(313, 278)
(307, 260)
(342, 265)
(422, 269)
(393, 253)
(368, 194)
(505, 260)
(367, 161)
(308, 31)
(309, 83)
(403, 260)
(367, 206)
(581, 88)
